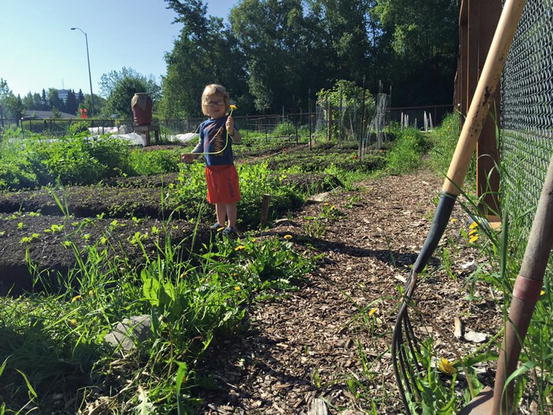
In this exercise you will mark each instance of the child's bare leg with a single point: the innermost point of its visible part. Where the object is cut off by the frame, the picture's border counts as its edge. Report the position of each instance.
(231, 212)
(221, 213)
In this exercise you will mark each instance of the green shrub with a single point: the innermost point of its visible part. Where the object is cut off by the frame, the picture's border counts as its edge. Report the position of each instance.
(406, 152)
(154, 162)
(77, 128)
(444, 140)
(285, 128)
(35, 161)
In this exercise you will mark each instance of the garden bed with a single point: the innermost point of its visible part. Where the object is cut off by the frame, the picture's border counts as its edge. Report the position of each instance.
(50, 243)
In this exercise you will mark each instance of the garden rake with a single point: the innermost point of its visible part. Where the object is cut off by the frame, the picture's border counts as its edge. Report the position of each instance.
(526, 292)
(405, 347)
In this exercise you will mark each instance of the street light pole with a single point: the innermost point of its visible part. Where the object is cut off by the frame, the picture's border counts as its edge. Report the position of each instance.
(89, 75)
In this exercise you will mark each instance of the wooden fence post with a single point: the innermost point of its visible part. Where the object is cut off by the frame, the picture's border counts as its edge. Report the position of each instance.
(264, 209)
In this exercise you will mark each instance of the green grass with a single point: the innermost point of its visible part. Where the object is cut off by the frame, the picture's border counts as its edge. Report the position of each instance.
(55, 338)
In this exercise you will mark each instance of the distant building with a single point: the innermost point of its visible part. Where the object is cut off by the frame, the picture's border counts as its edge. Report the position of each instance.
(62, 94)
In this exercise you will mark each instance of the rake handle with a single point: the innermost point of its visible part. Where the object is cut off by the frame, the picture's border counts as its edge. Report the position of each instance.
(483, 96)
(525, 294)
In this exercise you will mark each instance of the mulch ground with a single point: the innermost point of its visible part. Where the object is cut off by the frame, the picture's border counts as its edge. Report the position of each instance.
(331, 339)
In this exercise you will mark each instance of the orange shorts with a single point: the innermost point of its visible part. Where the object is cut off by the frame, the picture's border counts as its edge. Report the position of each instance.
(222, 184)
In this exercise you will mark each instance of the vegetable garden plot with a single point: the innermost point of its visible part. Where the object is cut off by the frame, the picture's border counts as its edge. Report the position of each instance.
(53, 243)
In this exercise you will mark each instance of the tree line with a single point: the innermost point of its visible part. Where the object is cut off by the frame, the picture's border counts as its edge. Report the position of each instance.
(280, 54)
(13, 106)
(275, 54)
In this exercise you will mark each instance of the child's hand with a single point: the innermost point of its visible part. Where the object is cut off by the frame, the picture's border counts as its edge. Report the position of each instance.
(230, 125)
(187, 157)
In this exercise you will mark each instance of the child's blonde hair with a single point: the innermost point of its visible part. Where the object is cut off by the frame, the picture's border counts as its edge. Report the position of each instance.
(214, 90)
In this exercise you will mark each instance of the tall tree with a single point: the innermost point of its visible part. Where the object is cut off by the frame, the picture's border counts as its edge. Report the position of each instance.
(205, 52)
(71, 104)
(54, 100)
(109, 81)
(119, 99)
(271, 34)
(421, 38)
(11, 106)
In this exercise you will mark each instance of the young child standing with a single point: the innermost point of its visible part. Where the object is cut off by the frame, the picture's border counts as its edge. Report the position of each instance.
(217, 134)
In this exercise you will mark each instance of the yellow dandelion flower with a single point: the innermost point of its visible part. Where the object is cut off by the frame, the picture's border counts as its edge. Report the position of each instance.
(453, 220)
(240, 248)
(288, 236)
(233, 107)
(473, 239)
(542, 292)
(473, 225)
(237, 288)
(73, 322)
(446, 366)
(373, 311)
(76, 298)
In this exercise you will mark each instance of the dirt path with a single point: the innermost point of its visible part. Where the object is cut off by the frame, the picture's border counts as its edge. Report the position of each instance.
(331, 338)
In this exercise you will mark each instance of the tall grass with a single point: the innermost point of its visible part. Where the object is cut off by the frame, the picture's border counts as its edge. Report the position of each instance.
(503, 250)
(53, 339)
(407, 149)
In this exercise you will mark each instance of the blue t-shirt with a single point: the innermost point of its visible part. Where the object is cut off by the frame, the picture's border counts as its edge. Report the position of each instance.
(215, 145)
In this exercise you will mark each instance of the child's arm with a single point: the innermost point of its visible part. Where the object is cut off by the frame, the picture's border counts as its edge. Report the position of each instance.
(233, 132)
(190, 157)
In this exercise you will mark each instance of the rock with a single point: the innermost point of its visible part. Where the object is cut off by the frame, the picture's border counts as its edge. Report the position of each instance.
(469, 266)
(475, 337)
(318, 198)
(129, 332)
(317, 407)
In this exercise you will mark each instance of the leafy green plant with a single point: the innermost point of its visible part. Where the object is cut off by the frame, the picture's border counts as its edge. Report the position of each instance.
(284, 129)
(406, 152)
(78, 127)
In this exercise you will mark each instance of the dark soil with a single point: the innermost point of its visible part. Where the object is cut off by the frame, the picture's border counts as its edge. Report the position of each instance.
(50, 241)
(320, 342)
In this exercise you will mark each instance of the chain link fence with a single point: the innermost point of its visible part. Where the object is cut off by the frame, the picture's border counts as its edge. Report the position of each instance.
(526, 136)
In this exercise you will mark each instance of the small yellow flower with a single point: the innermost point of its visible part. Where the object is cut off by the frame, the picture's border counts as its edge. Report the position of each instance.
(91, 293)
(473, 225)
(73, 322)
(287, 236)
(453, 220)
(76, 298)
(233, 107)
(542, 292)
(373, 311)
(446, 366)
(237, 288)
(473, 239)
(240, 248)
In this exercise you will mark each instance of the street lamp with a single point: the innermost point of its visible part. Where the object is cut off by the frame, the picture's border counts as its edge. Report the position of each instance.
(89, 76)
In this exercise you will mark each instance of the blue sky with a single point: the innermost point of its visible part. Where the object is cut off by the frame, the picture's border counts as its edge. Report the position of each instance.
(38, 49)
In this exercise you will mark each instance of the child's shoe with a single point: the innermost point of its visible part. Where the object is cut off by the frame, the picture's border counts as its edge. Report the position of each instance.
(215, 226)
(229, 231)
